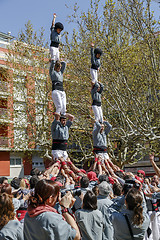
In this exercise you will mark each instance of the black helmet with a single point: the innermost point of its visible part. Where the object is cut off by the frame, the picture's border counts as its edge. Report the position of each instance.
(59, 25)
(97, 50)
(63, 116)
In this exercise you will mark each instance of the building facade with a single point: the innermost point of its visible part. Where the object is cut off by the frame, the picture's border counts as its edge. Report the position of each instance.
(18, 154)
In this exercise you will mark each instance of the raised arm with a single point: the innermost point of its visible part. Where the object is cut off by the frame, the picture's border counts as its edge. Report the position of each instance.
(66, 202)
(51, 69)
(92, 54)
(94, 89)
(101, 87)
(63, 66)
(70, 117)
(156, 168)
(108, 127)
(54, 18)
(54, 123)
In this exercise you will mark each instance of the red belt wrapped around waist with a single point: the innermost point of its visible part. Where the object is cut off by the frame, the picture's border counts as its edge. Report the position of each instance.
(99, 149)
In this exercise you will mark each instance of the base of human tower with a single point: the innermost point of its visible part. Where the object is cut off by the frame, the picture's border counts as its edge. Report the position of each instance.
(69, 170)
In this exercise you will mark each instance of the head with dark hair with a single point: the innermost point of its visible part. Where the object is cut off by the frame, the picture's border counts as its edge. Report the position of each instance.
(84, 182)
(33, 181)
(134, 201)
(3, 181)
(57, 66)
(63, 119)
(6, 209)
(59, 25)
(126, 188)
(97, 51)
(7, 189)
(102, 178)
(95, 190)
(117, 189)
(128, 177)
(15, 183)
(119, 174)
(35, 171)
(44, 189)
(90, 201)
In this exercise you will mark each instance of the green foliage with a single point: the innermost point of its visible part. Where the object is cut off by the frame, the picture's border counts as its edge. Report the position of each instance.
(126, 32)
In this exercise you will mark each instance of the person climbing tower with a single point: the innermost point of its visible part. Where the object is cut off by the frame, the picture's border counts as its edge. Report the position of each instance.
(55, 37)
(95, 63)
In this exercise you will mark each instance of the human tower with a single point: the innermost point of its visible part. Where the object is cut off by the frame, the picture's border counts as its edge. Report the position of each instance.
(63, 120)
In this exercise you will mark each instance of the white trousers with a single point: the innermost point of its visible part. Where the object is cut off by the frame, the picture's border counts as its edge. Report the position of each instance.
(154, 225)
(59, 153)
(59, 99)
(103, 156)
(98, 113)
(54, 53)
(94, 75)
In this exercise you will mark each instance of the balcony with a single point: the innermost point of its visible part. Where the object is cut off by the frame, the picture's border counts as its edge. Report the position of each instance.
(4, 88)
(4, 116)
(3, 142)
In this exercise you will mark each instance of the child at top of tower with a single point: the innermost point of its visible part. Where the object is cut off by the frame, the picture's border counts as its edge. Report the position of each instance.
(95, 61)
(55, 38)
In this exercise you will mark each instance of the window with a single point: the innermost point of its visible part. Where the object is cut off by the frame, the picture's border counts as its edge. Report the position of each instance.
(20, 119)
(37, 162)
(15, 161)
(19, 92)
(20, 139)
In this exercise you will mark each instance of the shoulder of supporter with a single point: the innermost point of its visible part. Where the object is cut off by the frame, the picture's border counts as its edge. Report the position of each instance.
(118, 203)
(80, 213)
(57, 227)
(12, 230)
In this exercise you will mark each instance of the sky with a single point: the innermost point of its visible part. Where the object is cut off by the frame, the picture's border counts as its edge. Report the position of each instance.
(14, 14)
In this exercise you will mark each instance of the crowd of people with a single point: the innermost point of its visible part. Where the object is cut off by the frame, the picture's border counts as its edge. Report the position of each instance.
(88, 205)
(64, 202)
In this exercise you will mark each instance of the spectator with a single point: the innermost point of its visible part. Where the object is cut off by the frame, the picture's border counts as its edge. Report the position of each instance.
(155, 181)
(102, 178)
(117, 189)
(141, 174)
(104, 204)
(134, 217)
(35, 171)
(15, 183)
(84, 183)
(42, 221)
(3, 181)
(156, 168)
(23, 191)
(16, 202)
(93, 179)
(33, 181)
(90, 219)
(9, 227)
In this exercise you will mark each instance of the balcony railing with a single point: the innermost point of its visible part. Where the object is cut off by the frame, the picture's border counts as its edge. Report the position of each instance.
(4, 113)
(3, 87)
(3, 141)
